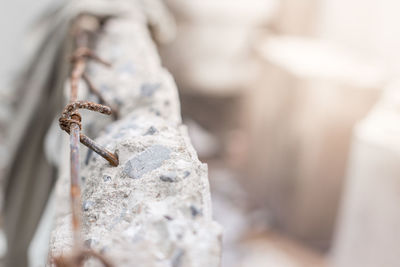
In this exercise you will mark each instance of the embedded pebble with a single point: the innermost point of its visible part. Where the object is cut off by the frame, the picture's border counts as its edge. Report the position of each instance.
(88, 155)
(155, 111)
(195, 211)
(176, 260)
(148, 89)
(169, 218)
(106, 178)
(169, 177)
(152, 130)
(87, 205)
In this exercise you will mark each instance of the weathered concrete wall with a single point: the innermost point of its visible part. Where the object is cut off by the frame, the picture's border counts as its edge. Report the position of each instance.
(154, 208)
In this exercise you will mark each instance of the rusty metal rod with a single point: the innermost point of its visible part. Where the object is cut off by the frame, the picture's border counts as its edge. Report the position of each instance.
(110, 157)
(78, 68)
(70, 121)
(75, 188)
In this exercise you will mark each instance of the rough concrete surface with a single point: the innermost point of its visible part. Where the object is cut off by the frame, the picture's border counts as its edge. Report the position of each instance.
(154, 209)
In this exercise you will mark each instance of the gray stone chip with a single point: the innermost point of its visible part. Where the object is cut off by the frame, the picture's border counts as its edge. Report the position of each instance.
(151, 159)
(152, 130)
(148, 89)
(87, 204)
(169, 177)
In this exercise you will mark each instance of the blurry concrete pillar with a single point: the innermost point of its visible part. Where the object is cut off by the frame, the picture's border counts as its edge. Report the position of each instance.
(300, 117)
(213, 62)
(368, 233)
(212, 51)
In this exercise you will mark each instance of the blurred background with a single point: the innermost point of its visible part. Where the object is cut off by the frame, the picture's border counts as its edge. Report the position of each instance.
(294, 105)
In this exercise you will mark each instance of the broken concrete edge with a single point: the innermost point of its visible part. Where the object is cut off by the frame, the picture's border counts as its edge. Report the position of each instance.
(154, 209)
(125, 212)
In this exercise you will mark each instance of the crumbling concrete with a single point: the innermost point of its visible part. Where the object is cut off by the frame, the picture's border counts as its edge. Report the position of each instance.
(154, 208)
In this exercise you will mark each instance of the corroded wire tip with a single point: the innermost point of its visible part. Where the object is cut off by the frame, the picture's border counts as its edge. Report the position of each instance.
(112, 158)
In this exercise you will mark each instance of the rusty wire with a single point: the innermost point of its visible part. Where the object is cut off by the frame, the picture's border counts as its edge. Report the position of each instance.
(70, 121)
(71, 116)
